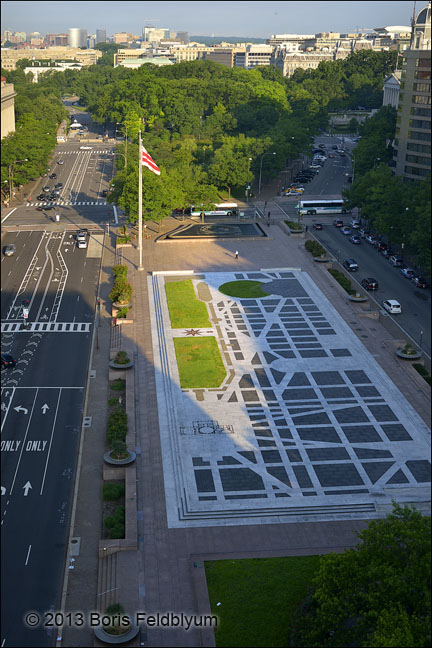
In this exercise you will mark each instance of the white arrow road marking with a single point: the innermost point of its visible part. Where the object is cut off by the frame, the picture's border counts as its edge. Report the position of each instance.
(3, 490)
(44, 408)
(26, 488)
(20, 408)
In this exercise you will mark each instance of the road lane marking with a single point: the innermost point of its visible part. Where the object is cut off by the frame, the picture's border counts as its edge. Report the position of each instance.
(24, 440)
(28, 555)
(50, 443)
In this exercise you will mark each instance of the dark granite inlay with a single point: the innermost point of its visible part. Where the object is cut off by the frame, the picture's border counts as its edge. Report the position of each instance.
(320, 418)
(199, 461)
(249, 455)
(250, 396)
(337, 475)
(280, 473)
(313, 354)
(294, 456)
(240, 479)
(228, 461)
(299, 379)
(382, 413)
(340, 353)
(358, 377)
(396, 432)
(324, 378)
(398, 478)
(204, 481)
(361, 434)
(371, 453)
(336, 392)
(299, 394)
(351, 415)
(377, 469)
(420, 470)
(327, 434)
(327, 454)
(271, 456)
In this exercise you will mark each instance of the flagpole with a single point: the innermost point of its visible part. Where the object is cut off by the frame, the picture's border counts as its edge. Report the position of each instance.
(140, 266)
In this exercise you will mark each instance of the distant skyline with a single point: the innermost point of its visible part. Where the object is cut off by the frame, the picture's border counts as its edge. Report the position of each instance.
(253, 19)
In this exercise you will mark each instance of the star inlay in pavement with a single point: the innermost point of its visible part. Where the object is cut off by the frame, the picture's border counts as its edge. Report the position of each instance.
(193, 332)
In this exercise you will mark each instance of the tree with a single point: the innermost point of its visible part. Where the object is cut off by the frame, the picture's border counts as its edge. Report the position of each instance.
(377, 594)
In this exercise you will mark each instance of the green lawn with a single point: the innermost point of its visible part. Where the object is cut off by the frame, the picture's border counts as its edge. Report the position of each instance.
(257, 597)
(185, 310)
(199, 362)
(244, 289)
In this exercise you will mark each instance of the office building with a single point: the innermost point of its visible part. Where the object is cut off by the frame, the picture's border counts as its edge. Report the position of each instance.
(100, 36)
(7, 108)
(253, 55)
(9, 57)
(77, 37)
(413, 129)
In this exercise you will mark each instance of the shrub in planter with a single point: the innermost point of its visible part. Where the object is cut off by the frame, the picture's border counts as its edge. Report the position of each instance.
(408, 349)
(423, 372)
(119, 384)
(342, 280)
(293, 226)
(117, 425)
(122, 312)
(119, 449)
(116, 523)
(120, 624)
(112, 491)
(315, 248)
(121, 291)
(122, 358)
(120, 270)
(123, 239)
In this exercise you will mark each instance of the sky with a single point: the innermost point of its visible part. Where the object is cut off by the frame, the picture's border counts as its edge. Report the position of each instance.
(253, 19)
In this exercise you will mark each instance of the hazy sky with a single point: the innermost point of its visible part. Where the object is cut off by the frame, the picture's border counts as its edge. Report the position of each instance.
(254, 19)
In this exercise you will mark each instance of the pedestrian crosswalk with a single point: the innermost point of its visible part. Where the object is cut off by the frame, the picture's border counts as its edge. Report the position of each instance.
(65, 203)
(106, 151)
(46, 327)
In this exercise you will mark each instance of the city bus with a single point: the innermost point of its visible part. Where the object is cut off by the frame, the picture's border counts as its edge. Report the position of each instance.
(223, 209)
(313, 207)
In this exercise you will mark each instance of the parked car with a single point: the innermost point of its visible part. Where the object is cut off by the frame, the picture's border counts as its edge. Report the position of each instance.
(369, 283)
(9, 249)
(53, 176)
(355, 224)
(407, 272)
(105, 193)
(338, 223)
(371, 239)
(317, 226)
(345, 230)
(315, 166)
(59, 185)
(41, 197)
(7, 361)
(396, 261)
(351, 265)
(46, 189)
(363, 233)
(334, 147)
(392, 306)
(387, 253)
(356, 240)
(420, 282)
(382, 246)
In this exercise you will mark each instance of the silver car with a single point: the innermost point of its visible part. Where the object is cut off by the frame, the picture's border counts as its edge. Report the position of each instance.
(10, 250)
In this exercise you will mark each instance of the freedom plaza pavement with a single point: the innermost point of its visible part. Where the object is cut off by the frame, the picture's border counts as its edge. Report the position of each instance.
(315, 429)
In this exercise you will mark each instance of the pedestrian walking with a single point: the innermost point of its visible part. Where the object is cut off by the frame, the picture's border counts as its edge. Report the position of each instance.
(236, 254)
(268, 215)
(306, 228)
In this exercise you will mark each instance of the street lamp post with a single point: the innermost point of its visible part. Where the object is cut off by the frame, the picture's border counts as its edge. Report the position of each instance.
(125, 134)
(248, 185)
(11, 169)
(262, 158)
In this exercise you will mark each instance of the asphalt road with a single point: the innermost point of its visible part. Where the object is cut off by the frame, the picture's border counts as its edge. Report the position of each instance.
(416, 302)
(41, 412)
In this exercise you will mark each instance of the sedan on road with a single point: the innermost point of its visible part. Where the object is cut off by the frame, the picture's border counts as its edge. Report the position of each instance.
(420, 282)
(345, 230)
(85, 148)
(317, 226)
(53, 176)
(369, 283)
(407, 272)
(41, 197)
(371, 239)
(60, 162)
(338, 223)
(9, 250)
(396, 261)
(7, 362)
(356, 240)
(392, 306)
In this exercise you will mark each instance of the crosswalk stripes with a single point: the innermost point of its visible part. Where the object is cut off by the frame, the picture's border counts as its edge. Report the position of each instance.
(92, 150)
(64, 203)
(46, 327)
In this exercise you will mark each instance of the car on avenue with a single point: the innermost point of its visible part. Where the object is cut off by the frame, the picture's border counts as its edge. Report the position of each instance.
(396, 261)
(356, 240)
(9, 249)
(382, 246)
(392, 306)
(420, 282)
(105, 193)
(53, 176)
(351, 265)
(331, 155)
(338, 223)
(7, 361)
(407, 272)
(60, 162)
(369, 283)
(59, 185)
(345, 230)
(44, 207)
(317, 226)
(41, 197)
(46, 189)
(85, 148)
(371, 239)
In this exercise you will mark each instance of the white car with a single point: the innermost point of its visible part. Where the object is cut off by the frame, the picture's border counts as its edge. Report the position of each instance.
(60, 162)
(86, 148)
(392, 306)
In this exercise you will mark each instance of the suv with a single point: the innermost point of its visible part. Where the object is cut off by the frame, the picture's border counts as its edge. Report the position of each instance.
(370, 283)
(351, 265)
(82, 238)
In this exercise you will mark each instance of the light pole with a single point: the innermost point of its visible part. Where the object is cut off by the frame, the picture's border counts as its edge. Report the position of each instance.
(11, 169)
(262, 158)
(248, 186)
(125, 134)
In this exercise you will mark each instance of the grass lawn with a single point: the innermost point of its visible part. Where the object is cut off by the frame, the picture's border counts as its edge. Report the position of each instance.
(245, 289)
(185, 310)
(258, 597)
(199, 362)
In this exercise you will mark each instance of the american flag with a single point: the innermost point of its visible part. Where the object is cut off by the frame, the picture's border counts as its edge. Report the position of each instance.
(147, 160)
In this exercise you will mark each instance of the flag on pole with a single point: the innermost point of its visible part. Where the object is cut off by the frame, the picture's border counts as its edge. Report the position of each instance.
(147, 160)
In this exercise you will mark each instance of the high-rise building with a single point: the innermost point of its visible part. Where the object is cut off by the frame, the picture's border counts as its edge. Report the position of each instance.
(91, 41)
(413, 129)
(100, 36)
(77, 37)
(7, 34)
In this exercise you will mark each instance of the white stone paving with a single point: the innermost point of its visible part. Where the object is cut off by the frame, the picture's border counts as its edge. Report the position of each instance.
(306, 426)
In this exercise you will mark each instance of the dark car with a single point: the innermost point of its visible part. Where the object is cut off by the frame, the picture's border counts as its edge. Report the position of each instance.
(351, 265)
(382, 246)
(41, 197)
(7, 362)
(387, 253)
(9, 250)
(370, 283)
(420, 282)
(317, 226)
(53, 176)
(356, 240)
(105, 193)
(59, 185)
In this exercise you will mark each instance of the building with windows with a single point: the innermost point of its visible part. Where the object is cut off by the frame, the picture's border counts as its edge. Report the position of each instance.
(9, 57)
(77, 37)
(412, 143)
(8, 95)
(253, 55)
(100, 36)
(391, 89)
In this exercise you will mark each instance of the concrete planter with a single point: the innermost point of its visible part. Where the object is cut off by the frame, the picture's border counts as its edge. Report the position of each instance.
(357, 298)
(115, 365)
(119, 462)
(293, 231)
(107, 638)
(117, 305)
(321, 260)
(408, 356)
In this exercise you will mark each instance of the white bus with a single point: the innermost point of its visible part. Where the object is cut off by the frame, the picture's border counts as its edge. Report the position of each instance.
(312, 207)
(223, 209)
